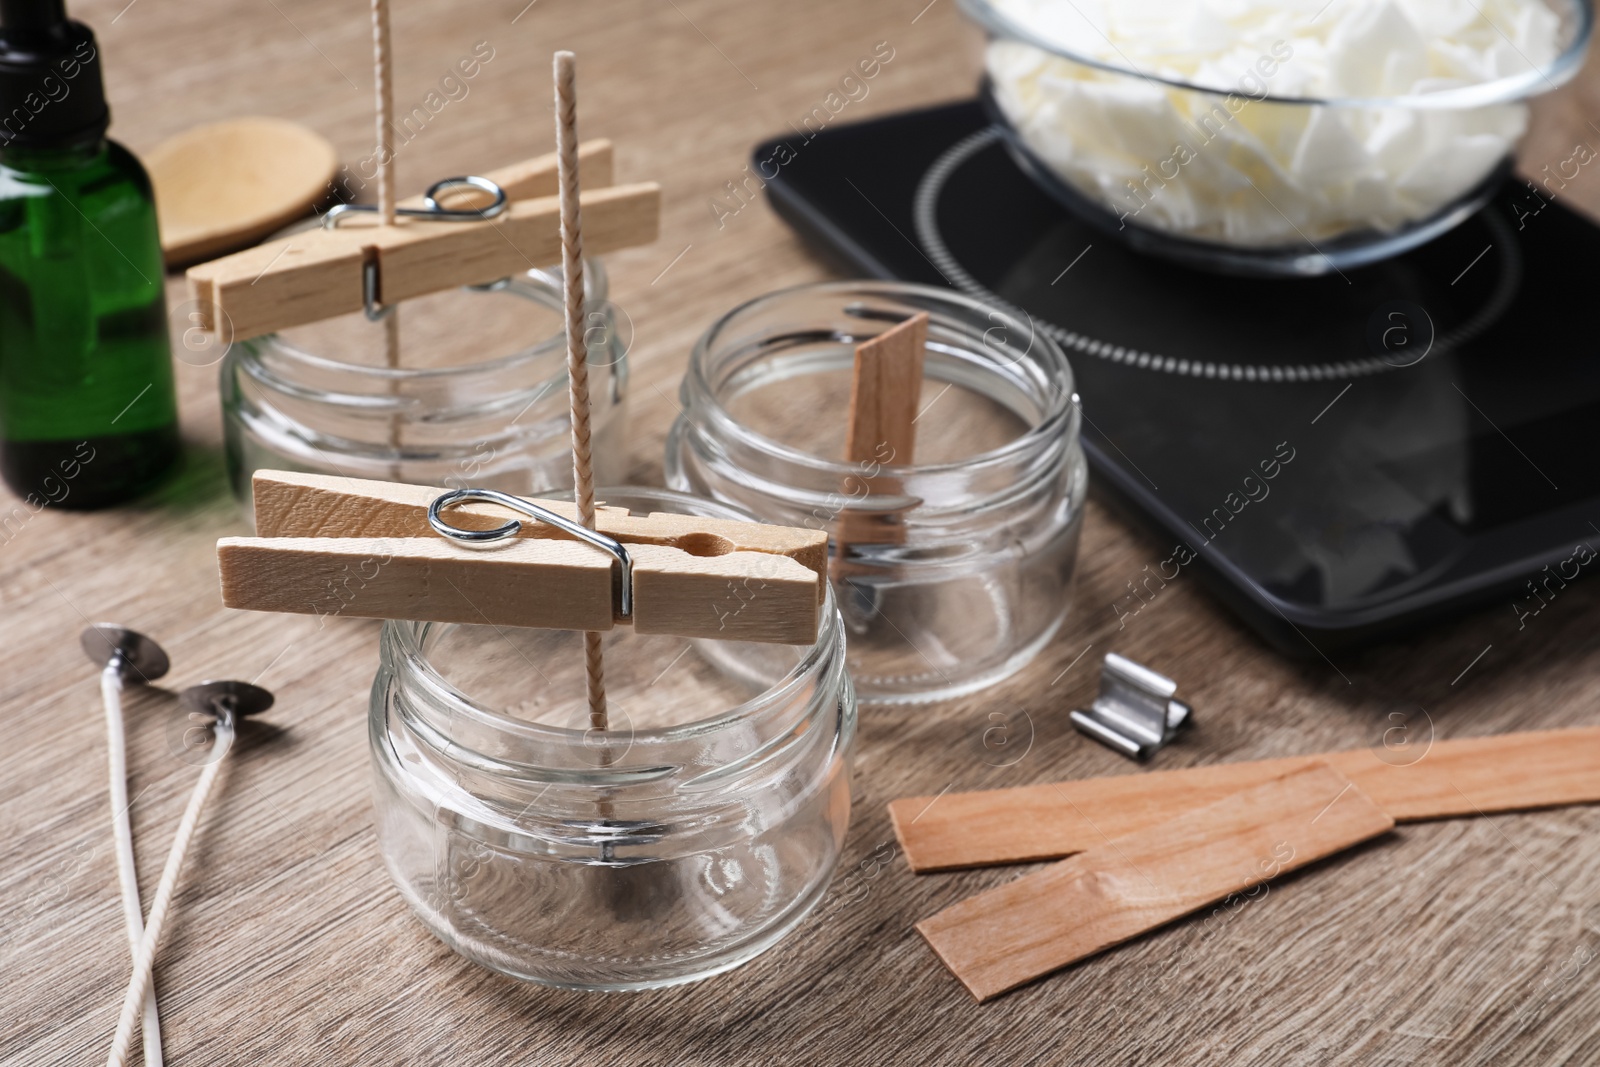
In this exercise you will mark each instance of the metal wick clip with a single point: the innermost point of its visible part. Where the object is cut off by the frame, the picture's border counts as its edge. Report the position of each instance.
(431, 209)
(1135, 712)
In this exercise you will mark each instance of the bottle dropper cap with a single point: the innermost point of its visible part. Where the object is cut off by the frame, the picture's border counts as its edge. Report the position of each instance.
(51, 93)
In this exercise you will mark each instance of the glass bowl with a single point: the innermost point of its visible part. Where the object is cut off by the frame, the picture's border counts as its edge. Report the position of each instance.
(1316, 138)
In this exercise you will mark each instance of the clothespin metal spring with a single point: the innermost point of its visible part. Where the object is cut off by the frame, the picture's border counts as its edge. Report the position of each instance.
(609, 545)
(432, 209)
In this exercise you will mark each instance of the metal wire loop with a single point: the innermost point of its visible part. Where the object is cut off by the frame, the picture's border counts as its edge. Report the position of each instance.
(609, 545)
(470, 214)
(432, 209)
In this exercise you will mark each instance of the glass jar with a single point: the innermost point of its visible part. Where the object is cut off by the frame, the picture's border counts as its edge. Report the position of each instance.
(952, 572)
(473, 402)
(691, 835)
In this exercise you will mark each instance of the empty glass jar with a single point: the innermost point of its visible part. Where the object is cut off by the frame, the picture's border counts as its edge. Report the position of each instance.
(479, 398)
(689, 836)
(951, 572)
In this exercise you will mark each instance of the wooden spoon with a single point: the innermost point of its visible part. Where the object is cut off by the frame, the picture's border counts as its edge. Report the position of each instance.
(226, 185)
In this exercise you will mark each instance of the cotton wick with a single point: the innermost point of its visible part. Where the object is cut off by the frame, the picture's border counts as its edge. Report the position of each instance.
(577, 350)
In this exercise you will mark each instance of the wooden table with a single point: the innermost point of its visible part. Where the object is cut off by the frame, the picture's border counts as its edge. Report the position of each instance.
(1466, 942)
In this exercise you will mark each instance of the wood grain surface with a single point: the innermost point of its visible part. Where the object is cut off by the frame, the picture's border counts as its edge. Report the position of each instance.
(1461, 943)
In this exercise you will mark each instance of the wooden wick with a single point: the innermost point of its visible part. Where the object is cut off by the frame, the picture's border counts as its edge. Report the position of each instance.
(1123, 887)
(565, 69)
(1459, 777)
(884, 394)
(383, 85)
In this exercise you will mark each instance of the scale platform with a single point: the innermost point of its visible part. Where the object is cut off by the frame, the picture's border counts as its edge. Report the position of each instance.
(1340, 459)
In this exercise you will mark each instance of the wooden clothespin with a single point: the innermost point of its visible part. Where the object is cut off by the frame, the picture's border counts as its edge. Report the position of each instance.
(338, 546)
(323, 273)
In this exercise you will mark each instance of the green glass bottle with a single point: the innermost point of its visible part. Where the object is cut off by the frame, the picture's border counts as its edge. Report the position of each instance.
(88, 415)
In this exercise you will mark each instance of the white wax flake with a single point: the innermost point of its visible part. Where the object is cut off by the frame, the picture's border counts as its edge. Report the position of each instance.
(1375, 52)
(1238, 166)
(1327, 151)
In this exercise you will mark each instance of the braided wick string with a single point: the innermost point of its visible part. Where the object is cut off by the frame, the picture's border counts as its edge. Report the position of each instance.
(383, 85)
(144, 958)
(577, 349)
(122, 832)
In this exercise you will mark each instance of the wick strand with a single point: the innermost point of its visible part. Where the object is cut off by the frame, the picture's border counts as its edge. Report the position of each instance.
(122, 831)
(144, 958)
(577, 349)
(383, 85)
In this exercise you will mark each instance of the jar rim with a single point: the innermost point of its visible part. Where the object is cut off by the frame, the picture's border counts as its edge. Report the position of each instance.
(538, 285)
(1577, 19)
(402, 644)
(1053, 362)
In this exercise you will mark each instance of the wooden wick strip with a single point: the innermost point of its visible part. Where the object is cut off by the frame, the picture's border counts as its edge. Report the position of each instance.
(1466, 776)
(1002, 939)
(884, 394)
(577, 349)
(885, 390)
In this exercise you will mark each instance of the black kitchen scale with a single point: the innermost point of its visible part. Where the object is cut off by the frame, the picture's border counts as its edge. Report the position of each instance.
(1429, 423)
